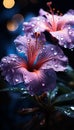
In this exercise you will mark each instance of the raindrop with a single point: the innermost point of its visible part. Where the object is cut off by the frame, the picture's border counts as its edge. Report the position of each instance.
(56, 66)
(62, 38)
(67, 112)
(61, 56)
(16, 80)
(4, 59)
(72, 108)
(57, 37)
(33, 25)
(69, 28)
(13, 59)
(66, 95)
(43, 84)
(65, 46)
(52, 49)
(55, 53)
(29, 40)
(70, 32)
(22, 88)
(26, 80)
(8, 61)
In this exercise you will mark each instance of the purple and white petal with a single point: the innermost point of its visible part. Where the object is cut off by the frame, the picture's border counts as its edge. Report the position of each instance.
(49, 17)
(40, 81)
(67, 18)
(52, 57)
(23, 42)
(36, 24)
(10, 68)
(65, 36)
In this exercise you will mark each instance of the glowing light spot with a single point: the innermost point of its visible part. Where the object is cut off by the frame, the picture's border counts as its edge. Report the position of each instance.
(18, 18)
(15, 22)
(8, 3)
(12, 26)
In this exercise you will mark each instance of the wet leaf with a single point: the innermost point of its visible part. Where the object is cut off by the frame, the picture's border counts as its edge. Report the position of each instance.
(14, 89)
(65, 99)
(62, 88)
(67, 110)
(70, 72)
(54, 93)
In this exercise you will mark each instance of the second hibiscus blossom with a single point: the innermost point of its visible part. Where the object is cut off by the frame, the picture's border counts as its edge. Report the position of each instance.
(60, 27)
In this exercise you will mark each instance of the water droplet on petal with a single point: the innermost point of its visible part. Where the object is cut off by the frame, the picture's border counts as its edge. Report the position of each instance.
(70, 32)
(26, 80)
(62, 38)
(69, 27)
(52, 49)
(56, 66)
(22, 88)
(61, 56)
(13, 59)
(55, 53)
(65, 46)
(28, 40)
(16, 80)
(43, 84)
(8, 61)
(4, 59)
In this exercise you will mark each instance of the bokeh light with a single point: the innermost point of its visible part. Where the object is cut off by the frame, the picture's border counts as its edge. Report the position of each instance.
(18, 18)
(15, 22)
(12, 26)
(8, 3)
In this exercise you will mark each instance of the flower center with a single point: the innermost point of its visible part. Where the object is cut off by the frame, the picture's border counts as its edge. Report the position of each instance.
(33, 50)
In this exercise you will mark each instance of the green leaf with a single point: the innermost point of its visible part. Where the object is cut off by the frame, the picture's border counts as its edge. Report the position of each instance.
(70, 72)
(14, 89)
(62, 88)
(65, 99)
(53, 93)
(67, 110)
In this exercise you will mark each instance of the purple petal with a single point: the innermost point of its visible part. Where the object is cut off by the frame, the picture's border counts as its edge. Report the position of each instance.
(10, 69)
(65, 36)
(36, 24)
(35, 82)
(52, 57)
(42, 82)
(67, 18)
(62, 27)
(22, 42)
(49, 17)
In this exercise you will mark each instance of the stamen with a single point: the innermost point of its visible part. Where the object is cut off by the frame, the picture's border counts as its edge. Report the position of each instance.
(52, 13)
(33, 49)
(37, 34)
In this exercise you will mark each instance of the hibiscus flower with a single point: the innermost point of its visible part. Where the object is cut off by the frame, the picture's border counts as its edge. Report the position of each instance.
(60, 27)
(37, 68)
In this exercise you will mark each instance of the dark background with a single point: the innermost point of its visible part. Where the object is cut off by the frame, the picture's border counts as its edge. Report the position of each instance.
(9, 101)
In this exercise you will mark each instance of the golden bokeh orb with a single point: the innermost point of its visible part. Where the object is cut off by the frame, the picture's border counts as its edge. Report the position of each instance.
(8, 3)
(12, 26)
